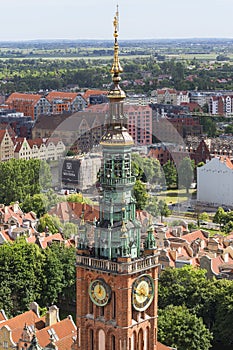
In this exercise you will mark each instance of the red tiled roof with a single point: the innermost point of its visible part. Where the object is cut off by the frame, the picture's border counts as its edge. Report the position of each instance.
(65, 329)
(192, 106)
(8, 212)
(38, 142)
(161, 346)
(215, 263)
(17, 323)
(53, 95)
(2, 134)
(227, 161)
(90, 92)
(18, 96)
(2, 316)
(6, 236)
(67, 211)
(51, 238)
(192, 236)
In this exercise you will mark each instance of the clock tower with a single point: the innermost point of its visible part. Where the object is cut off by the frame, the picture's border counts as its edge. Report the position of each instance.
(116, 271)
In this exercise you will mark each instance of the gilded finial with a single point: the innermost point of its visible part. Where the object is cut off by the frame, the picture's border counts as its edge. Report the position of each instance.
(116, 93)
(116, 67)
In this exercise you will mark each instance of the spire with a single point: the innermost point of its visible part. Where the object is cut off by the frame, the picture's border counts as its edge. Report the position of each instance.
(116, 69)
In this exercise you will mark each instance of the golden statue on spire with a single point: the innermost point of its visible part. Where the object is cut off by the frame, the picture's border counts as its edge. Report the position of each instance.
(116, 69)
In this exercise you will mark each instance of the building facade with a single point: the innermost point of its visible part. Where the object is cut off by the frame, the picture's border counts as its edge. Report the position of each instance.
(6, 146)
(215, 182)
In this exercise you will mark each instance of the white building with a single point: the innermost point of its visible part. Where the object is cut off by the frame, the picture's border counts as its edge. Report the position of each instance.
(44, 149)
(215, 182)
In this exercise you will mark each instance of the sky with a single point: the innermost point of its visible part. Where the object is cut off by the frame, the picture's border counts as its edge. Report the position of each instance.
(92, 19)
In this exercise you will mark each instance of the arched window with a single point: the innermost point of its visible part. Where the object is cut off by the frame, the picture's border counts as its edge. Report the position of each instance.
(113, 343)
(134, 341)
(113, 305)
(101, 340)
(91, 339)
(146, 339)
(140, 340)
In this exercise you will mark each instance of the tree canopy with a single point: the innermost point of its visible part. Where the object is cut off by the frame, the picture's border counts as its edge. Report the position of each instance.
(185, 173)
(28, 273)
(210, 300)
(20, 178)
(179, 328)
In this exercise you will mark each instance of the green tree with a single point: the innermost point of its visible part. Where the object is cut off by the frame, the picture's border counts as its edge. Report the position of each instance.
(163, 209)
(152, 206)
(78, 198)
(178, 327)
(21, 275)
(53, 277)
(69, 229)
(188, 286)
(67, 258)
(37, 203)
(185, 173)
(170, 174)
(222, 328)
(140, 194)
(146, 169)
(19, 178)
(220, 216)
(50, 223)
(204, 216)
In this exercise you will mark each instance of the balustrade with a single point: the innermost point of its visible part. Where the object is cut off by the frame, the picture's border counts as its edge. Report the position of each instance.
(118, 267)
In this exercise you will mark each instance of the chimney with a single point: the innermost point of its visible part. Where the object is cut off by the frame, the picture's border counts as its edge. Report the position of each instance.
(174, 232)
(16, 207)
(226, 257)
(35, 307)
(52, 316)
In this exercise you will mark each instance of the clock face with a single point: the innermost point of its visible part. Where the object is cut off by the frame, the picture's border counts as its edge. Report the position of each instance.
(142, 292)
(99, 292)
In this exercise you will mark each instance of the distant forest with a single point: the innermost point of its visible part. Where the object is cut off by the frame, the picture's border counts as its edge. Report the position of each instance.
(198, 64)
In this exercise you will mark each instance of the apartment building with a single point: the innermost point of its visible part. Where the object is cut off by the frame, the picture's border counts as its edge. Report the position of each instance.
(167, 96)
(221, 105)
(139, 120)
(6, 146)
(62, 101)
(44, 149)
(29, 104)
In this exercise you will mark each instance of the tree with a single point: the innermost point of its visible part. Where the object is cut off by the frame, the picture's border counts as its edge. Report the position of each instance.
(204, 216)
(78, 198)
(37, 203)
(53, 278)
(69, 229)
(163, 209)
(170, 174)
(146, 169)
(178, 327)
(21, 275)
(220, 216)
(222, 328)
(188, 286)
(20, 177)
(140, 194)
(50, 223)
(67, 258)
(185, 173)
(152, 206)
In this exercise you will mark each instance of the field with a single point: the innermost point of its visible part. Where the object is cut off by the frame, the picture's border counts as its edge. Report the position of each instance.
(176, 196)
